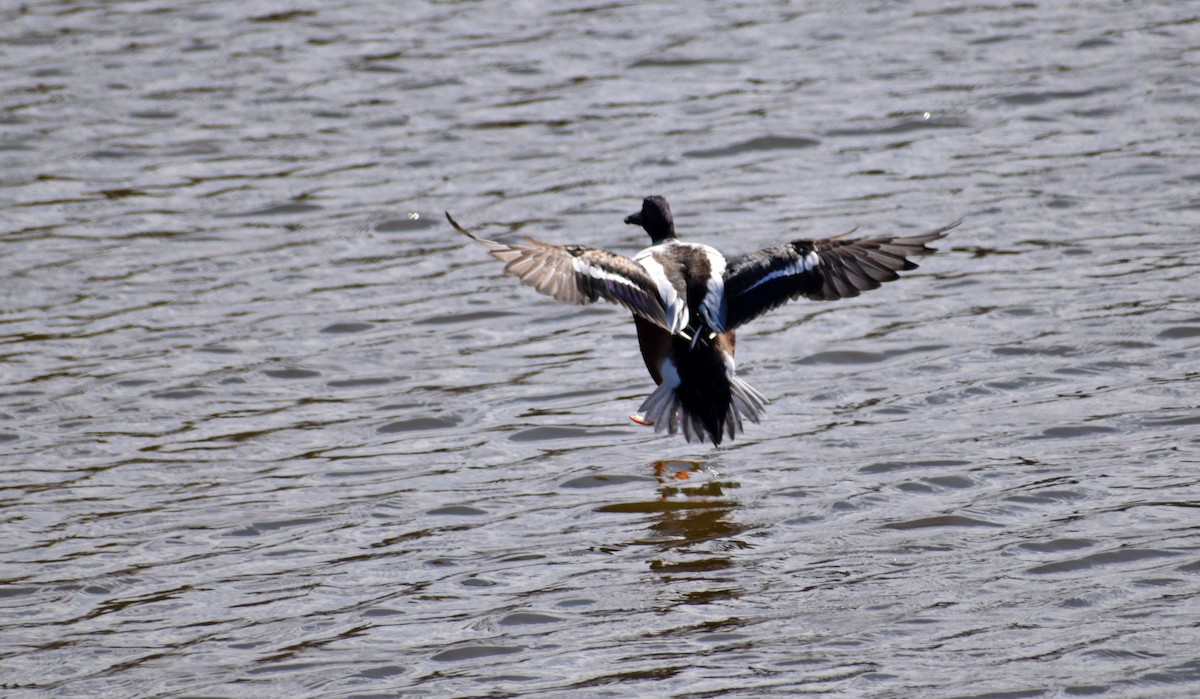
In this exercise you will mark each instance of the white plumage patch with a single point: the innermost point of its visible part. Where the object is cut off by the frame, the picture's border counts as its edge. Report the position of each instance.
(598, 273)
(676, 308)
(801, 265)
(713, 306)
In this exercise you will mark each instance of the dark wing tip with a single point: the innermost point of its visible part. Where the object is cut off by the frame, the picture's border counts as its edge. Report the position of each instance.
(940, 233)
(917, 244)
(457, 227)
(466, 232)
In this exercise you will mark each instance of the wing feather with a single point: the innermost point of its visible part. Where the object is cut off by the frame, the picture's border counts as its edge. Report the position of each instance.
(578, 274)
(822, 270)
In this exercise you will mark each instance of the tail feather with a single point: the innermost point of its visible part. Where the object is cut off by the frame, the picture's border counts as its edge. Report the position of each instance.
(747, 400)
(661, 408)
(697, 427)
(658, 407)
(666, 410)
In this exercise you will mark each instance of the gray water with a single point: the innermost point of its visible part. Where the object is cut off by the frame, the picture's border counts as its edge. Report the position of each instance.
(270, 428)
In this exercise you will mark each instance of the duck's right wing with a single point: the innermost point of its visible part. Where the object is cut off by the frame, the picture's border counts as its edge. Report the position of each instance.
(578, 274)
(822, 270)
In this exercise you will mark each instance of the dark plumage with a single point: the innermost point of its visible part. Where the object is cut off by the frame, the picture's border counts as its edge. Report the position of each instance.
(687, 301)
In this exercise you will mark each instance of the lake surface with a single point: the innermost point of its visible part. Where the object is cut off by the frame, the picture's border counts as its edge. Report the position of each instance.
(270, 428)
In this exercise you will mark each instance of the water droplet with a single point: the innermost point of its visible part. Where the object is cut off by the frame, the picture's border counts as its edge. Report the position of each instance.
(413, 216)
(926, 115)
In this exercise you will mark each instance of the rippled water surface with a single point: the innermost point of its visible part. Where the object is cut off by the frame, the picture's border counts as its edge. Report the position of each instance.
(270, 428)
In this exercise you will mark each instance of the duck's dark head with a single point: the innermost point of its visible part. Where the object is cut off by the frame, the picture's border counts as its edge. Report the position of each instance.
(655, 217)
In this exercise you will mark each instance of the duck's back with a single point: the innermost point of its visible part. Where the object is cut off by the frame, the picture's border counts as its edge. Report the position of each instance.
(691, 282)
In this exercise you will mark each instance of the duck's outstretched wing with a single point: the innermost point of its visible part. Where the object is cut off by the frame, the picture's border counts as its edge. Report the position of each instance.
(822, 270)
(578, 274)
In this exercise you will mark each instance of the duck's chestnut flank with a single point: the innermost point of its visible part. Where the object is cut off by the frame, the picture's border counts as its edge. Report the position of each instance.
(687, 301)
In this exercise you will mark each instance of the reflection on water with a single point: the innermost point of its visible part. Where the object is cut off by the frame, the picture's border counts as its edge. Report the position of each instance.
(690, 507)
(690, 531)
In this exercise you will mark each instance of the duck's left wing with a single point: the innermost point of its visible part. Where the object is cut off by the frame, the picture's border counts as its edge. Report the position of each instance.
(578, 274)
(822, 270)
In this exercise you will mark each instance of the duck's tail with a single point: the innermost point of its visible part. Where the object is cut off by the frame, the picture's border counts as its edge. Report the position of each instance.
(702, 400)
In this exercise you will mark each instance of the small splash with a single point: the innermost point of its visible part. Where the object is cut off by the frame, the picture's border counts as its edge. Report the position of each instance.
(411, 221)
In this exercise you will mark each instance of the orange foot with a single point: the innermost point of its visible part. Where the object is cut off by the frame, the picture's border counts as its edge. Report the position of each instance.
(641, 420)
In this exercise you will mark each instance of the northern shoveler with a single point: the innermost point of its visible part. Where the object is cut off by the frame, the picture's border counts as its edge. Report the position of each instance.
(687, 300)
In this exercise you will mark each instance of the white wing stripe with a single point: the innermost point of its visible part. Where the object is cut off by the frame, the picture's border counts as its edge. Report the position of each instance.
(595, 272)
(803, 264)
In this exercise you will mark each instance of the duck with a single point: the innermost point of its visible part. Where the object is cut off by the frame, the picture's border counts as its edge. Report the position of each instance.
(688, 300)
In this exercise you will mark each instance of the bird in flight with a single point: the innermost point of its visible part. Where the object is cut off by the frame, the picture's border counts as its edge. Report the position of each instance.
(688, 300)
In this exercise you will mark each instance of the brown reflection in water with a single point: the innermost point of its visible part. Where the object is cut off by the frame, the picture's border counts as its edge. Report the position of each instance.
(690, 530)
